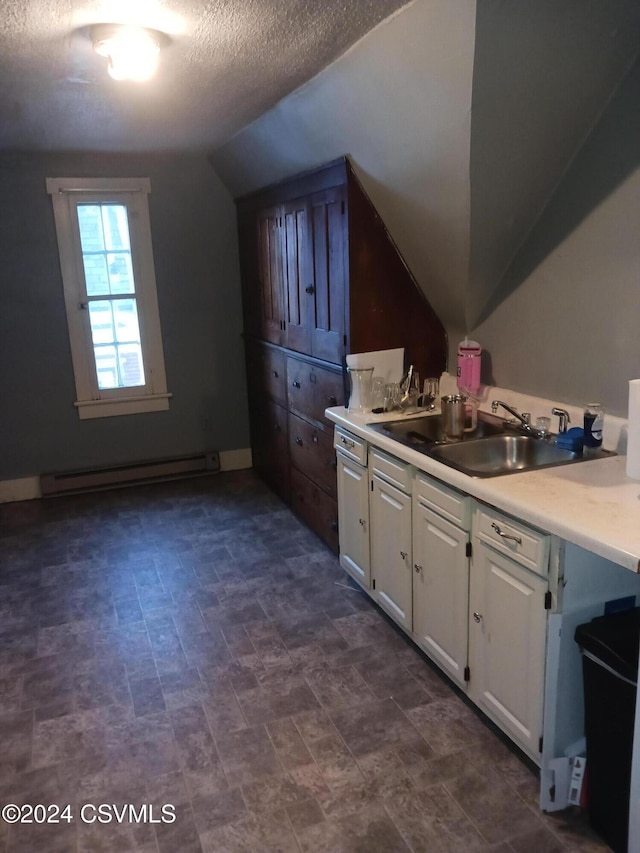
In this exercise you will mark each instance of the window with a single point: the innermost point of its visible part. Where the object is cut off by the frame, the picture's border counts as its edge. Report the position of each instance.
(104, 240)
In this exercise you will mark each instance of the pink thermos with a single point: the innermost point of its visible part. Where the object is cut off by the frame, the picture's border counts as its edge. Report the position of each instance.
(469, 358)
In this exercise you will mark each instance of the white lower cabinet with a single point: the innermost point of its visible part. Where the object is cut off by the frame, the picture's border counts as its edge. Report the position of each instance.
(475, 601)
(353, 519)
(390, 537)
(507, 644)
(441, 589)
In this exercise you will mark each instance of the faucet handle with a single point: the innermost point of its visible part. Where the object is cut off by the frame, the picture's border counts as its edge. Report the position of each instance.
(563, 416)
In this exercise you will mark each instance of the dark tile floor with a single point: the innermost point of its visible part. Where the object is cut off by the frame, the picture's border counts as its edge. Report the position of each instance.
(193, 644)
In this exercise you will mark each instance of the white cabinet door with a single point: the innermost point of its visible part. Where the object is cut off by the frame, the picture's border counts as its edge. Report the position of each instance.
(441, 590)
(390, 514)
(507, 638)
(353, 519)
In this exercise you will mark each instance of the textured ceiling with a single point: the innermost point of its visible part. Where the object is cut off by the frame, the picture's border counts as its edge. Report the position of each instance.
(228, 62)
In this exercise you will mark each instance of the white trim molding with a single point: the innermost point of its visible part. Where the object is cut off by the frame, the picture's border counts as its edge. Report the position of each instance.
(23, 489)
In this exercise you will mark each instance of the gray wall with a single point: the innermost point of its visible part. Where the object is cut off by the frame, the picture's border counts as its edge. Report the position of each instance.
(565, 321)
(195, 252)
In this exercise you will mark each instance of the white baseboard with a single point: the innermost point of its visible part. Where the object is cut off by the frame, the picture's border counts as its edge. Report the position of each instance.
(24, 489)
(234, 460)
(28, 488)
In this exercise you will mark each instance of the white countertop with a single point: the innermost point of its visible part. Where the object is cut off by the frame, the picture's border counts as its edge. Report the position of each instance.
(592, 504)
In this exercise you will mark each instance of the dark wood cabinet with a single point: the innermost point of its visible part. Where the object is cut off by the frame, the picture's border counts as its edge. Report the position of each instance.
(321, 277)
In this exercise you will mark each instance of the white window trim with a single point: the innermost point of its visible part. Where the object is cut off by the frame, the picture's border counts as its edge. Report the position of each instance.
(91, 401)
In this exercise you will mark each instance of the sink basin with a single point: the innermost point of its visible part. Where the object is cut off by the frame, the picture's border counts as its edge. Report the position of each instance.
(422, 432)
(502, 454)
(488, 451)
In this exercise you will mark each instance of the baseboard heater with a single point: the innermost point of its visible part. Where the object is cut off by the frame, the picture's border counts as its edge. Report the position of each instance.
(133, 473)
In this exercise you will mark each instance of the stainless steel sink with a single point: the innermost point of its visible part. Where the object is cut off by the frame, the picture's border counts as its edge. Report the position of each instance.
(422, 432)
(502, 454)
(488, 451)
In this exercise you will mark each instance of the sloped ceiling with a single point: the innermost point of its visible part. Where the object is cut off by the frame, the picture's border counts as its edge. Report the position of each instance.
(461, 120)
(228, 62)
(544, 73)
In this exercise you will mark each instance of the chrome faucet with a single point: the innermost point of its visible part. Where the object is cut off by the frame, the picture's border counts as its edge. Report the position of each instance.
(524, 418)
(563, 415)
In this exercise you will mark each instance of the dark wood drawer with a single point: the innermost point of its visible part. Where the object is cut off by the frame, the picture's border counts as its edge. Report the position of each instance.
(270, 446)
(266, 373)
(312, 389)
(315, 508)
(311, 451)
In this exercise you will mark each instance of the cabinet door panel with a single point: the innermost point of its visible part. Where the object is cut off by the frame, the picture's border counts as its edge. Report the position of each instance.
(507, 638)
(296, 275)
(328, 242)
(390, 519)
(270, 273)
(353, 519)
(441, 590)
(269, 445)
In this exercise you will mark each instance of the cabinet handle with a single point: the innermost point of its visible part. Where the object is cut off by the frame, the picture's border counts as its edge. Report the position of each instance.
(310, 289)
(516, 539)
(347, 441)
(299, 440)
(275, 374)
(417, 568)
(295, 383)
(363, 523)
(477, 617)
(403, 554)
(331, 400)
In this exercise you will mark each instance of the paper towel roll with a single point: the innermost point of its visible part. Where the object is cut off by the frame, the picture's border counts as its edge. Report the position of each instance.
(633, 437)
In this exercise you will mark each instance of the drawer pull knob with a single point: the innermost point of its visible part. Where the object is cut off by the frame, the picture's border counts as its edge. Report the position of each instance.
(299, 440)
(295, 383)
(503, 535)
(347, 441)
(331, 400)
(477, 617)
(275, 374)
(403, 554)
(310, 289)
(417, 568)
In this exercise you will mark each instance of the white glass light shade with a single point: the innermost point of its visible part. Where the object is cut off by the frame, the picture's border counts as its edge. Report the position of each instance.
(132, 51)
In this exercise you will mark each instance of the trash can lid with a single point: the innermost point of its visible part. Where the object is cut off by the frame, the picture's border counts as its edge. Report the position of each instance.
(614, 640)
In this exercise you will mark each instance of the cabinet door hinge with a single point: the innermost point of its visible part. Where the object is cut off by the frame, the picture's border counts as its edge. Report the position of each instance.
(540, 742)
(344, 340)
(372, 485)
(468, 549)
(467, 674)
(342, 207)
(373, 583)
(547, 600)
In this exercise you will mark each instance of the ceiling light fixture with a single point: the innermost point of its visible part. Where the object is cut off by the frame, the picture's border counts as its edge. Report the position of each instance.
(132, 52)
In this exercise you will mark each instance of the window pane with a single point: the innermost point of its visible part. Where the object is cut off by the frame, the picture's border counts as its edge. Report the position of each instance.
(102, 322)
(126, 321)
(120, 273)
(106, 250)
(95, 275)
(90, 222)
(116, 226)
(131, 367)
(106, 367)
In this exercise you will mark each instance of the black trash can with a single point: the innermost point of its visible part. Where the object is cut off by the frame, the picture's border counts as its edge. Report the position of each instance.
(609, 646)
